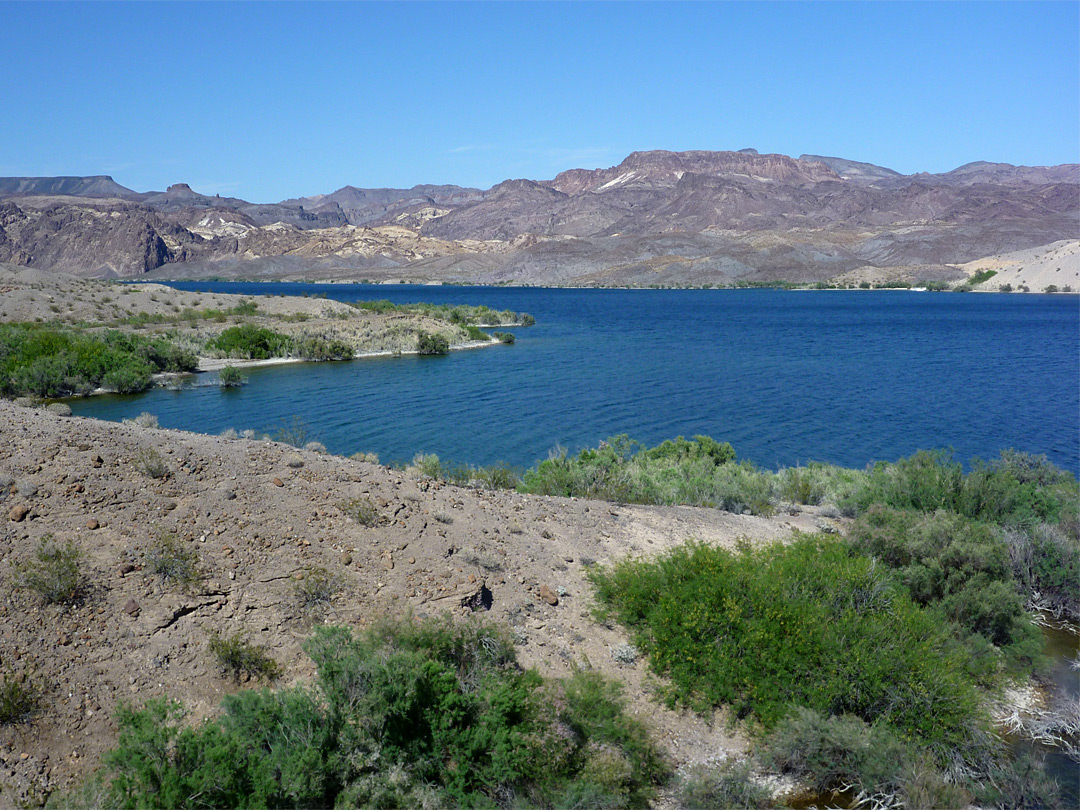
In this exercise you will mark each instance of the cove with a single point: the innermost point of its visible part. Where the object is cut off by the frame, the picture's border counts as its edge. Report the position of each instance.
(846, 377)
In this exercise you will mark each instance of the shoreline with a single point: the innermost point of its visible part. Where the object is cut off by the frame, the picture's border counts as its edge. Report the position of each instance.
(217, 363)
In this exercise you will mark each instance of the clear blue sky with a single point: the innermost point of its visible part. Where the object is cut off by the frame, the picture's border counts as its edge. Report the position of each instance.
(273, 100)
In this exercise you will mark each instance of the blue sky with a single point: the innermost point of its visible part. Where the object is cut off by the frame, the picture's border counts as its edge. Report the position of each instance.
(274, 100)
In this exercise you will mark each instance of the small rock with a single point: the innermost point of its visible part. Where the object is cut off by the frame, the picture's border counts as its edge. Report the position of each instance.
(278, 482)
(346, 559)
(64, 639)
(18, 512)
(388, 562)
(131, 608)
(568, 559)
(97, 461)
(92, 524)
(548, 595)
(168, 506)
(126, 569)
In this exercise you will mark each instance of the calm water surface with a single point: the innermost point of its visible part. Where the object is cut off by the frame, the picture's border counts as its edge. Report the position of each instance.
(786, 377)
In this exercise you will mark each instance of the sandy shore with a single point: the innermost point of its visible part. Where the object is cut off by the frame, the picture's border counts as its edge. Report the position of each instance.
(218, 363)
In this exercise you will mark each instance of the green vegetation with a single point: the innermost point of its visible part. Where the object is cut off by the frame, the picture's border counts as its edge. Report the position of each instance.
(408, 714)
(151, 463)
(231, 377)
(726, 786)
(459, 314)
(475, 333)
(20, 698)
(237, 656)
(251, 342)
(981, 276)
(362, 510)
(174, 564)
(499, 475)
(808, 624)
(958, 565)
(700, 471)
(316, 589)
(432, 344)
(52, 572)
(505, 337)
(45, 361)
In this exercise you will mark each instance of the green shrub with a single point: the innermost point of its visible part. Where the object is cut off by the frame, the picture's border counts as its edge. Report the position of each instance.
(318, 348)
(699, 472)
(1045, 562)
(1018, 488)
(505, 337)
(726, 786)
(294, 432)
(475, 333)
(251, 342)
(150, 462)
(362, 510)
(808, 623)
(237, 656)
(981, 276)
(50, 362)
(231, 377)
(431, 344)
(20, 698)
(317, 588)
(424, 714)
(168, 559)
(53, 572)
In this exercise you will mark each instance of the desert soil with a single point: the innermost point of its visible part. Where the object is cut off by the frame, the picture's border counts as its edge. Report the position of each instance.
(259, 515)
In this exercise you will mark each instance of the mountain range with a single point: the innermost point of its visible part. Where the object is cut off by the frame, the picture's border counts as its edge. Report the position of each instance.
(657, 218)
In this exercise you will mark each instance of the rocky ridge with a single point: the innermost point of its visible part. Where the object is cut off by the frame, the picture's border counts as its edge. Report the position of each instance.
(657, 218)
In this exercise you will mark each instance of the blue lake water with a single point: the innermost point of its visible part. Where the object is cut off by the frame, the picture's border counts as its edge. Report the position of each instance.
(839, 376)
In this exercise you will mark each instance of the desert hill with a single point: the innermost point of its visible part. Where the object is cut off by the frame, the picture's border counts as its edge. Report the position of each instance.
(656, 218)
(119, 492)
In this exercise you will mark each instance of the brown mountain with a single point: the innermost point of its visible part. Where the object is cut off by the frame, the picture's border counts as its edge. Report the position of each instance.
(657, 217)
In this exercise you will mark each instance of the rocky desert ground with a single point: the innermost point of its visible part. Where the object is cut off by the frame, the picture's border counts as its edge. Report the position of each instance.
(259, 517)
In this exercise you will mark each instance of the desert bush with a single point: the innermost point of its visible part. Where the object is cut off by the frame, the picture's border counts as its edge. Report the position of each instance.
(727, 786)
(315, 447)
(144, 419)
(251, 342)
(237, 656)
(294, 432)
(44, 361)
(827, 629)
(424, 714)
(475, 333)
(430, 344)
(20, 698)
(362, 510)
(52, 572)
(231, 377)
(699, 472)
(59, 408)
(171, 561)
(426, 465)
(1045, 563)
(150, 462)
(948, 560)
(317, 588)
(1016, 489)
(505, 337)
(497, 476)
(318, 348)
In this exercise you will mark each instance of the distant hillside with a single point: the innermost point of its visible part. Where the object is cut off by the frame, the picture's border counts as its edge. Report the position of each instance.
(98, 186)
(658, 217)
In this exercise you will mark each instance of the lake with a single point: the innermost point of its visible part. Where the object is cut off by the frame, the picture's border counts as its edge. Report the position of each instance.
(846, 377)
